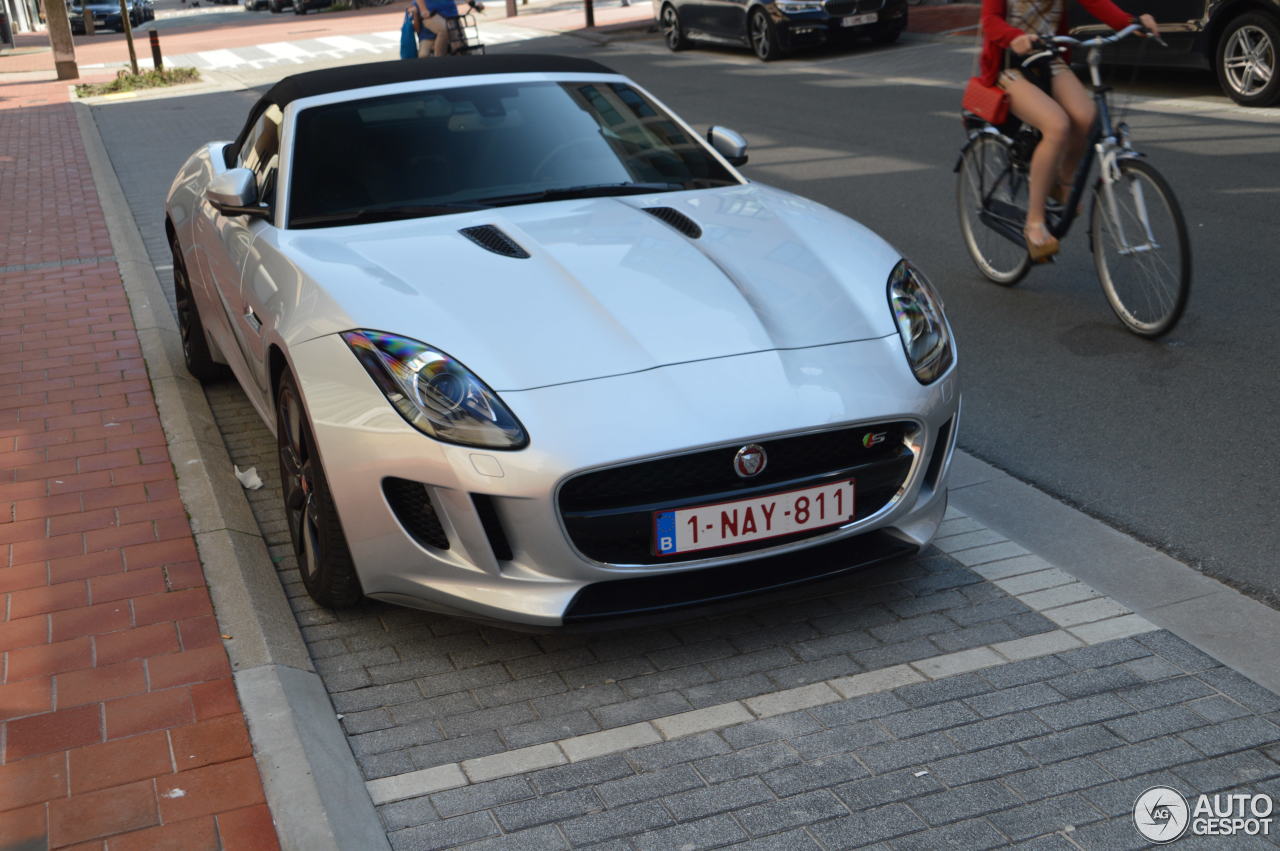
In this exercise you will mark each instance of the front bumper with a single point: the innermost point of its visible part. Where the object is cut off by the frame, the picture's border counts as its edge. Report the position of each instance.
(481, 533)
(804, 29)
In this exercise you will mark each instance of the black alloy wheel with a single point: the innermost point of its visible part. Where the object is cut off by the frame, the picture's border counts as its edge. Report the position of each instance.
(195, 347)
(671, 31)
(324, 561)
(763, 37)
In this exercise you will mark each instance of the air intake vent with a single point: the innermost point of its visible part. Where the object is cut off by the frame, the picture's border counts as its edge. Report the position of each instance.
(412, 506)
(492, 238)
(677, 220)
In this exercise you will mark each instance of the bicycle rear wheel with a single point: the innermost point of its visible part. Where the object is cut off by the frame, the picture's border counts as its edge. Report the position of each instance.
(1140, 249)
(991, 197)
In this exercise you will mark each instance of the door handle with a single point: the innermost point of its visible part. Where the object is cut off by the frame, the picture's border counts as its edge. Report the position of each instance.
(252, 318)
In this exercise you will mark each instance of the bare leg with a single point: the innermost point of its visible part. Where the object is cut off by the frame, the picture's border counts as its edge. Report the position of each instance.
(438, 25)
(1039, 110)
(1075, 101)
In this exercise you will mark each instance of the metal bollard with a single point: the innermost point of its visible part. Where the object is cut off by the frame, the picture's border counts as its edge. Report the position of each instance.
(155, 50)
(89, 26)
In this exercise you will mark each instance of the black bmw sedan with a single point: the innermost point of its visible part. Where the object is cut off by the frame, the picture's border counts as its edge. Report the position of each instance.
(1238, 39)
(775, 28)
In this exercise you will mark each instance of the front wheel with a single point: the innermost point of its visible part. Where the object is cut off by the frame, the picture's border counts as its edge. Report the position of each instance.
(1140, 248)
(1246, 60)
(195, 346)
(672, 34)
(324, 561)
(763, 37)
(991, 198)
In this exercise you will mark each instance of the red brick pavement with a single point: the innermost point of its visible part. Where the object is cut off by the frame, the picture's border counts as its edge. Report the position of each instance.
(119, 721)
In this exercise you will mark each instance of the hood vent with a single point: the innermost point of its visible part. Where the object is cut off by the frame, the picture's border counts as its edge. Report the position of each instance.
(492, 238)
(676, 219)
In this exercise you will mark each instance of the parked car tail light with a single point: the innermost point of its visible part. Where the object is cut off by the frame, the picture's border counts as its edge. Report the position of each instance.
(922, 325)
(435, 393)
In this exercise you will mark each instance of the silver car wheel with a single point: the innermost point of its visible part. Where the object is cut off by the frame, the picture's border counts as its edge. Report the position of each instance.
(1249, 60)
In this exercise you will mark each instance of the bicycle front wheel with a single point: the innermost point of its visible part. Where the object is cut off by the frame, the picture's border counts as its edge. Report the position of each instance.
(991, 197)
(1140, 249)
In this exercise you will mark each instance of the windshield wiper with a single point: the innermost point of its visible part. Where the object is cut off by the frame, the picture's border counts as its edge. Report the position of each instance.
(592, 190)
(368, 215)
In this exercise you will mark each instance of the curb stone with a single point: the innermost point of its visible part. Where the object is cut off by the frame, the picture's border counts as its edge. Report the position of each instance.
(314, 789)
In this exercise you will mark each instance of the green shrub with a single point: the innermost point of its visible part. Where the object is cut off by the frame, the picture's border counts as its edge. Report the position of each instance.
(127, 81)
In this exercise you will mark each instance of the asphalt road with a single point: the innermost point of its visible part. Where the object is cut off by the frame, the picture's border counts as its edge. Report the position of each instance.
(1172, 441)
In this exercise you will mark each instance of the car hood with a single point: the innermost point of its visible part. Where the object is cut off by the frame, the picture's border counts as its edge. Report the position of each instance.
(607, 288)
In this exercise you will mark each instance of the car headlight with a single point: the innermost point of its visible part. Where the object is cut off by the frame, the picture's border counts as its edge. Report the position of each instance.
(922, 325)
(437, 395)
(791, 6)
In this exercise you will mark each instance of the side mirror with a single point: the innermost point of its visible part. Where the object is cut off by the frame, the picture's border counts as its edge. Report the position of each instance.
(729, 144)
(235, 193)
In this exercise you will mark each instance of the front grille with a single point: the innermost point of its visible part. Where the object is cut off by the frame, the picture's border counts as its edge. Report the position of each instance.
(852, 7)
(609, 513)
(411, 503)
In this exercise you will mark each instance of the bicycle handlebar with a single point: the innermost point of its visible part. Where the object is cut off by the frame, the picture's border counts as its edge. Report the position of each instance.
(1099, 41)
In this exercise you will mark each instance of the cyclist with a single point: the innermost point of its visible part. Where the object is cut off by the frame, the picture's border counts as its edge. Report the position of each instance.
(1045, 94)
(431, 21)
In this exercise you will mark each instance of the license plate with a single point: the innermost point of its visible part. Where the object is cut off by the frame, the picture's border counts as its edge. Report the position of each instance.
(858, 20)
(721, 524)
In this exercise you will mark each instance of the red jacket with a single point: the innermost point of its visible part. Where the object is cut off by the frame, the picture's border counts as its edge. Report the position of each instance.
(997, 34)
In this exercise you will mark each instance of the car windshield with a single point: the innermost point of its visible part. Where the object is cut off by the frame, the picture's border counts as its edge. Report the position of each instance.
(447, 150)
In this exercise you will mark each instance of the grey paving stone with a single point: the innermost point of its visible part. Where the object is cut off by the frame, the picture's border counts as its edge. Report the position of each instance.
(940, 691)
(963, 802)
(916, 627)
(1177, 651)
(1241, 689)
(1156, 722)
(796, 811)
(909, 607)
(374, 697)
(981, 765)
(1052, 842)
(666, 754)
(714, 832)
(1030, 623)
(1117, 797)
(1026, 671)
(456, 750)
(471, 723)
(812, 672)
(928, 719)
(1165, 692)
(746, 762)
(998, 731)
(608, 672)
(862, 708)
(632, 643)
(544, 838)
(970, 835)
(576, 775)
(434, 707)
(1117, 834)
(578, 699)
(548, 809)
(1146, 756)
(691, 654)
(443, 834)
(649, 785)
(719, 798)
(821, 773)
(1071, 743)
(367, 721)
(413, 811)
(864, 828)
(550, 729)
(727, 691)
(886, 789)
(1043, 817)
(859, 617)
(664, 681)
(519, 690)
(340, 681)
(1226, 772)
(847, 737)
(1095, 681)
(1001, 609)
(895, 654)
(780, 635)
(498, 652)
(787, 726)
(549, 663)
(410, 669)
(1153, 668)
(385, 764)
(1084, 710)
(1217, 708)
(740, 664)
(1014, 699)
(641, 709)
(464, 680)
(395, 738)
(975, 636)
(611, 824)
(894, 755)
(1063, 777)
(480, 796)
(1105, 654)
(792, 840)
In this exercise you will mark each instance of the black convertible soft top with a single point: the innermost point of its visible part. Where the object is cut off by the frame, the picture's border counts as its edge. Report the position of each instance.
(339, 79)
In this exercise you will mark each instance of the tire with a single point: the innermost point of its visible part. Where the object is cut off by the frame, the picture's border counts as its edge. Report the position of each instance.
(763, 37)
(273, 6)
(1147, 288)
(984, 174)
(195, 346)
(888, 35)
(324, 561)
(1246, 60)
(672, 32)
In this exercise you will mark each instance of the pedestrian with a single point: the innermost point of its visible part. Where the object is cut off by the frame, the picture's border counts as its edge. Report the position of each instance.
(1045, 94)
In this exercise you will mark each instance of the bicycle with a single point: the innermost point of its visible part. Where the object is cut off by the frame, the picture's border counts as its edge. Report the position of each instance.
(1136, 229)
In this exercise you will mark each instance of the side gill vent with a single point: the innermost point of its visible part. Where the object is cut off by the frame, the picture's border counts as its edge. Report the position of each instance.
(491, 238)
(412, 506)
(677, 220)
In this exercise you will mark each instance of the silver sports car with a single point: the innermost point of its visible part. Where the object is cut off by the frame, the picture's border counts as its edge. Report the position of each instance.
(535, 352)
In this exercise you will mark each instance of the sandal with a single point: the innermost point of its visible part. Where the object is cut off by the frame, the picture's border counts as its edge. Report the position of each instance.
(1041, 251)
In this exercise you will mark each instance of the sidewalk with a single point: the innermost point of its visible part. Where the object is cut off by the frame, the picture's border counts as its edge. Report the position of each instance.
(121, 725)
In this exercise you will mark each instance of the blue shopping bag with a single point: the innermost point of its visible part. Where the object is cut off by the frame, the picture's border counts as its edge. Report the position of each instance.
(408, 38)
